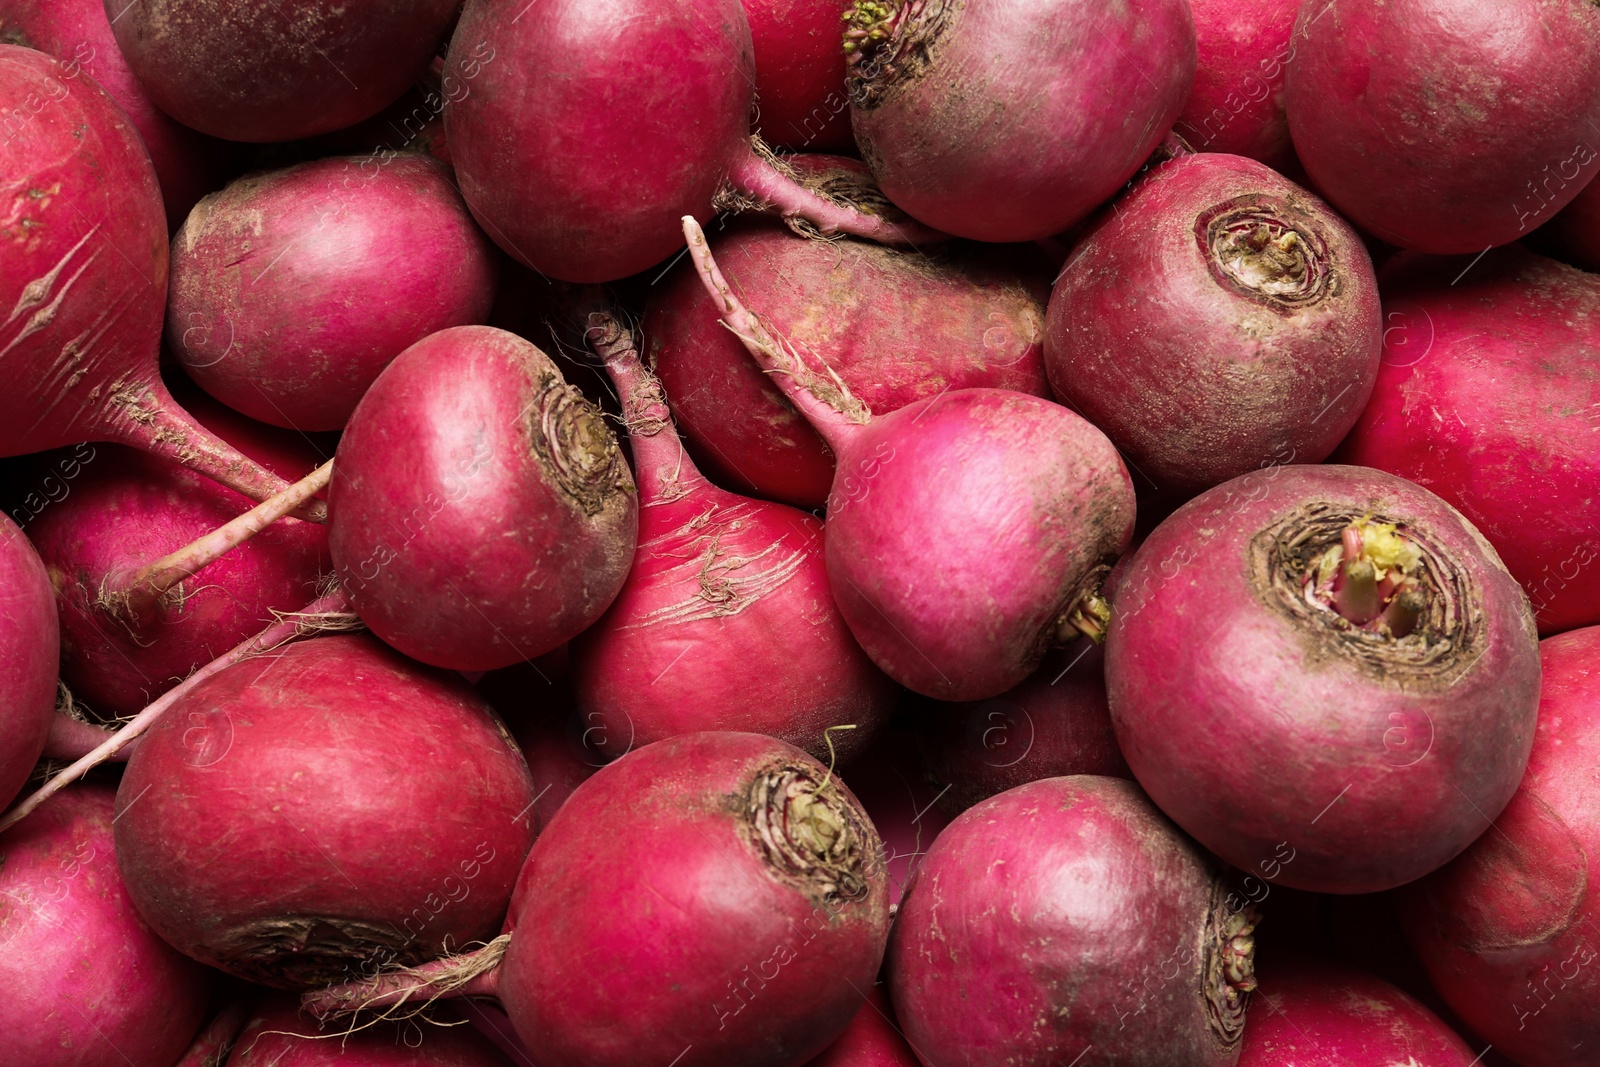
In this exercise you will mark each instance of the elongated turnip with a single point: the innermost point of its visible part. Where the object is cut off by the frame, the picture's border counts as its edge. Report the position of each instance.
(1442, 125)
(85, 279)
(590, 126)
(83, 981)
(734, 915)
(1489, 395)
(78, 31)
(125, 510)
(896, 326)
(1055, 723)
(261, 822)
(483, 511)
(279, 1034)
(1221, 319)
(1510, 931)
(726, 621)
(1236, 105)
(30, 650)
(1067, 918)
(268, 73)
(967, 532)
(1325, 675)
(260, 311)
(1010, 121)
(1315, 1014)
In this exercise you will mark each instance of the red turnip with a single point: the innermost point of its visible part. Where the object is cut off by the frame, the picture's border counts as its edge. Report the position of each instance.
(215, 1040)
(324, 806)
(1221, 319)
(872, 1039)
(1236, 105)
(538, 707)
(1316, 1014)
(735, 913)
(1057, 722)
(280, 1035)
(1489, 395)
(967, 532)
(1012, 121)
(726, 621)
(586, 130)
(1442, 125)
(77, 31)
(85, 278)
(896, 326)
(268, 73)
(1510, 931)
(125, 511)
(484, 513)
(262, 272)
(83, 981)
(1041, 927)
(30, 649)
(800, 93)
(1325, 675)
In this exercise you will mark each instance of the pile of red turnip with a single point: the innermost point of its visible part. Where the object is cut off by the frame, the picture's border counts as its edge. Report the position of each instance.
(800, 533)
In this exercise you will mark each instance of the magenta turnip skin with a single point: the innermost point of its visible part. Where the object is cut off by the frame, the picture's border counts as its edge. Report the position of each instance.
(896, 325)
(83, 981)
(260, 311)
(1219, 320)
(1236, 106)
(325, 806)
(1489, 395)
(1055, 723)
(30, 650)
(967, 533)
(588, 127)
(85, 277)
(123, 510)
(1443, 125)
(726, 621)
(273, 73)
(1012, 121)
(482, 513)
(800, 74)
(735, 910)
(872, 1040)
(1510, 931)
(734, 913)
(1310, 1013)
(1325, 675)
(1068, 918)
(79, 30)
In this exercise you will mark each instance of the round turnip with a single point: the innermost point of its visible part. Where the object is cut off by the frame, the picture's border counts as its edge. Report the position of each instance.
(83, 981)
(800, 93)
(273, 73)
(1010, 121)
(262, 272)
(1220, 319)
(30, 650)
(1489, 395)
(1236, 105)
(1510, 931)
(1446, 125)
(483, 513)
(585, 129)
(1325, 675)
(1065, 919)
(280, 1035)
(324, 806)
